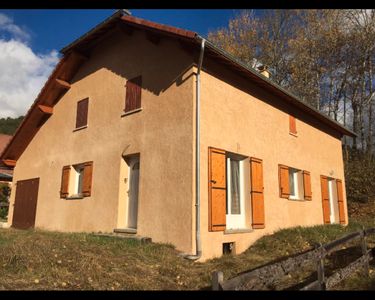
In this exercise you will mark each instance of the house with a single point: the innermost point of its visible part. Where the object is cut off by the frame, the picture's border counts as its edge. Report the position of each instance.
(138, 116)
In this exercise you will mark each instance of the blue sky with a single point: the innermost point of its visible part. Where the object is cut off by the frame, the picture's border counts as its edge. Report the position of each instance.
(30, 40)
(55, 28)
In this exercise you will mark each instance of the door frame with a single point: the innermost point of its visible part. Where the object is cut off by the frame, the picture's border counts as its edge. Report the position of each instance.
(132, 160)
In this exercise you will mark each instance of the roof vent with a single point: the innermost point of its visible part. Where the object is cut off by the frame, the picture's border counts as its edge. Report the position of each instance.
(263, 69)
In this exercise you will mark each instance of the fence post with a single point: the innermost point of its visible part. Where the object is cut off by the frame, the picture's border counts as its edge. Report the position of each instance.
(320, 268)
(364, 251)
(217, 280)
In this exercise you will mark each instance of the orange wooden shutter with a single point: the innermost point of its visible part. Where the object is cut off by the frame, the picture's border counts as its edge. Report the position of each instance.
(87, 178)
(64, 190)
(325, 199)
(217, 187)
(340, 200)
(292, 124)
(307, 185)
(284, 181)
(257, 196)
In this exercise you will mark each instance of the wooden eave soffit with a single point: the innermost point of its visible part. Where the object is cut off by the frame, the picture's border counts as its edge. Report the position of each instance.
(9, 162)
(63, 84)
(45, 109)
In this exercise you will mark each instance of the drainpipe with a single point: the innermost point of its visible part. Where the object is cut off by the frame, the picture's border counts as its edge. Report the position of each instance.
(197, 159)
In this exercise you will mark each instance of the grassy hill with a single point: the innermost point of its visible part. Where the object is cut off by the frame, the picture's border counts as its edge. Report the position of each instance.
(50, 260)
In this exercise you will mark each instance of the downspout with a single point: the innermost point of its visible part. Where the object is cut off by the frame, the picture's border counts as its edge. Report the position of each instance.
(197, 158)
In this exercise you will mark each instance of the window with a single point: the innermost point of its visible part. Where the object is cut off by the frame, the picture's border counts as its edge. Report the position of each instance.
(235, 206)
(82, 110)
(133, 94)
(294, 184)
(76, 180)
(292, 125)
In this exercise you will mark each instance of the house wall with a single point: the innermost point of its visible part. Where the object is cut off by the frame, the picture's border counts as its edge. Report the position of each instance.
(234, 118)
(161, 132)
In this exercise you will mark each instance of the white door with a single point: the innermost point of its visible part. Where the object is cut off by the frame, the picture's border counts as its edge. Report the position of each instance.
(331, 201)
(133, 192)
(235, 217)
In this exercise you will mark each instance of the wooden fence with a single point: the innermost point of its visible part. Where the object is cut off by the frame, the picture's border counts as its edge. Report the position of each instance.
(269, 275)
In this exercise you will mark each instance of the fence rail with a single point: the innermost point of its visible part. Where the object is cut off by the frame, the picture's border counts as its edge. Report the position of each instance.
(268, 275)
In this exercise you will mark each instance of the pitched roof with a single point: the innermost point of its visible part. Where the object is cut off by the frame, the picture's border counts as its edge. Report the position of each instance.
(58, 83)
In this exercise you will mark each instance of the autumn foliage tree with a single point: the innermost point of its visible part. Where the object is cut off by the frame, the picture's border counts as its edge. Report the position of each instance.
(325, 57)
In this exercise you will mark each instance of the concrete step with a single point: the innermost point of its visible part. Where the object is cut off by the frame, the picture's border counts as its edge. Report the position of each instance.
(123, 235)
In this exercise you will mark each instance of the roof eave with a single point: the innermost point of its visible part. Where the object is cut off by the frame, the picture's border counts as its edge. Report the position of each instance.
(332, 123)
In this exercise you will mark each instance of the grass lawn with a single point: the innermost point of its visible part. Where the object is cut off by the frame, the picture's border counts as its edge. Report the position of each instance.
(35, 259)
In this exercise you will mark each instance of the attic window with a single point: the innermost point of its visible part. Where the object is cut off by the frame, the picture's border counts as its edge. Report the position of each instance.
(292, 125)
(133, 94)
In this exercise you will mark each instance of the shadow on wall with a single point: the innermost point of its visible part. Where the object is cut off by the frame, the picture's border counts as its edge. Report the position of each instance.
(161, 64)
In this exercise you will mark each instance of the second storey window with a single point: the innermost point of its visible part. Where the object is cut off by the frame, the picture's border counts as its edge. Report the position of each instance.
(133, 94)
(82, 110)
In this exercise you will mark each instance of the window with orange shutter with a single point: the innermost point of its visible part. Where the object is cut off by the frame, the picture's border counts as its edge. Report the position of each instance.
(76, 181)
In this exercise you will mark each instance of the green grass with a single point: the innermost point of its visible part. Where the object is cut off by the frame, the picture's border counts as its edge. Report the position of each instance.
(35, 259)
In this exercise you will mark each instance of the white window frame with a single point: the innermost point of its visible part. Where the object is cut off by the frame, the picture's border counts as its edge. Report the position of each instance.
(78, 173)
(236, 221)
(297, 184)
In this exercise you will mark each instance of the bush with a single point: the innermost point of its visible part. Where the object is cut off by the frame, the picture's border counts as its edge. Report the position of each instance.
(4, 194)
(3, 213)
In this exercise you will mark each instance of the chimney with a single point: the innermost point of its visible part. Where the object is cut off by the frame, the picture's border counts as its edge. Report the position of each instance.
(263, 69)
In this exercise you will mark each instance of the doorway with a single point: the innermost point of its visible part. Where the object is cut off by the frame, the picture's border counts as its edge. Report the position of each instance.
(132, 215)
(333, 203)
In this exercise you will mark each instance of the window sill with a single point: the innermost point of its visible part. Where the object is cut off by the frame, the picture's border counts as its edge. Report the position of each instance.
(297, 199)
(125, 230)
(72, 197)
(131, 112)
(233, 231)
(293, 134)
(79, 128)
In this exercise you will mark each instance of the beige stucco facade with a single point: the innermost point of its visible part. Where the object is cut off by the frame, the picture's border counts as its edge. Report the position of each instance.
(236, 115)
(245, 119)
(161, 133)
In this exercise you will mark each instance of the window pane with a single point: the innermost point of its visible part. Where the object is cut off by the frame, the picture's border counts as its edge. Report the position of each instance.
(80, 177)
(235, 187)
(291, 183)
